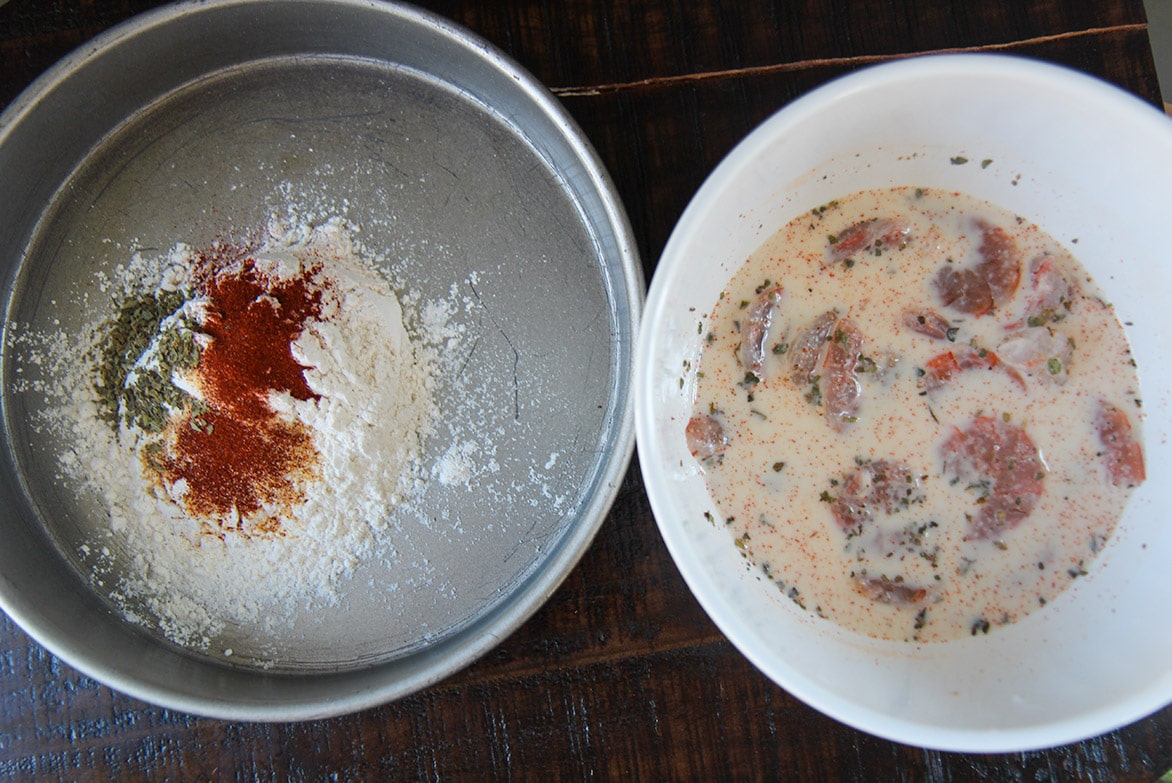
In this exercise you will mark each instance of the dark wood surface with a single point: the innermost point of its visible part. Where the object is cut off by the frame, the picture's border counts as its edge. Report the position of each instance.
(621, 675)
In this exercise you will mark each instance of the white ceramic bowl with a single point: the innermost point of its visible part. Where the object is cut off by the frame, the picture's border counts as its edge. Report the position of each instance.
(1082, 159)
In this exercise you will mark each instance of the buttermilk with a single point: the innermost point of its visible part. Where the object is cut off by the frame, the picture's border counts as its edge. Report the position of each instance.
(917, 414)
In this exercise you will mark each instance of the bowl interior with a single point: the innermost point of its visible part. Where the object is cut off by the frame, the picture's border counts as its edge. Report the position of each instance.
(1084, 161)
(199, 122)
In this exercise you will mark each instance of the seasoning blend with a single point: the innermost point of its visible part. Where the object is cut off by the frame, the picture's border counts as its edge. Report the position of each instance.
(251, 417)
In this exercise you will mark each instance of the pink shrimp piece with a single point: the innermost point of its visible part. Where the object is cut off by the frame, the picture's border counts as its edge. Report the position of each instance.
(826, 357)
(944, 367)
(988, 284)
(870, 236)
(877, 487)
(890, 591)
(840, 382)
(1122, 452)
(1000, 262)
(929, 323)
(963, 290)
(1049, 290)
(1048, 297)
(705, 437)
(1000, 463)
(755, 330)
(1040, 353)
(807, 351)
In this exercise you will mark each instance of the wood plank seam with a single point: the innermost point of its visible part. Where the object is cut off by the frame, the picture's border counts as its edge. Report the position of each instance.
(821, 62)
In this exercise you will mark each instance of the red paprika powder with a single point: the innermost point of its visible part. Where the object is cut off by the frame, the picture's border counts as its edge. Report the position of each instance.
(240, 454)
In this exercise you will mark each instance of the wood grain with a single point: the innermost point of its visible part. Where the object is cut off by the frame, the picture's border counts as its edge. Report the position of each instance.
(621, 676)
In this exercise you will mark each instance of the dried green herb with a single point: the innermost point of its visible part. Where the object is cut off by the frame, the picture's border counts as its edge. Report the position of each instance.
(141, 348)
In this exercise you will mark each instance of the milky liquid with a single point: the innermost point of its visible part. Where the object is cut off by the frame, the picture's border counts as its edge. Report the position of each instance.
(925, 569)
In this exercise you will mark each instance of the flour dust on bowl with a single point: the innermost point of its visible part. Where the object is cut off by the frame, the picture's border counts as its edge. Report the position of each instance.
(317, 354)
(901, 406)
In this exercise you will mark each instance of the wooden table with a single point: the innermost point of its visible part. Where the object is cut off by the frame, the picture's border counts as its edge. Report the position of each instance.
(621, 675)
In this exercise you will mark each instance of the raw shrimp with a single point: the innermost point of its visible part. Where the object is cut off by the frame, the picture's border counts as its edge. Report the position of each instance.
(889, 591)
(825, 367)
(755, 330)
(1000, 464)
(875, 488)
(869, 236)
(944, 367)
(1038, 351)
(1122, 453)
(988, 284)
(840, 382)
(1050, 293)
(929, 323)
(807, 351)
(705, 437)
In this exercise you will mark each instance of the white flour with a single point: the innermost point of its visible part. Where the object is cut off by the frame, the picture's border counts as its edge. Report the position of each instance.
(375, 407)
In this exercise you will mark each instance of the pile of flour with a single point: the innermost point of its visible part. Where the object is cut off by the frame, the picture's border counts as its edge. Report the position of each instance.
(374, 409)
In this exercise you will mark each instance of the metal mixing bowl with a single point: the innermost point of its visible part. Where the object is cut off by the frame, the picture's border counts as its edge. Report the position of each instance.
(196, 122)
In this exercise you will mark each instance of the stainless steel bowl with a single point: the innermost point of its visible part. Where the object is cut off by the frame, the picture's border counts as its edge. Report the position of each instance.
(197, 121)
